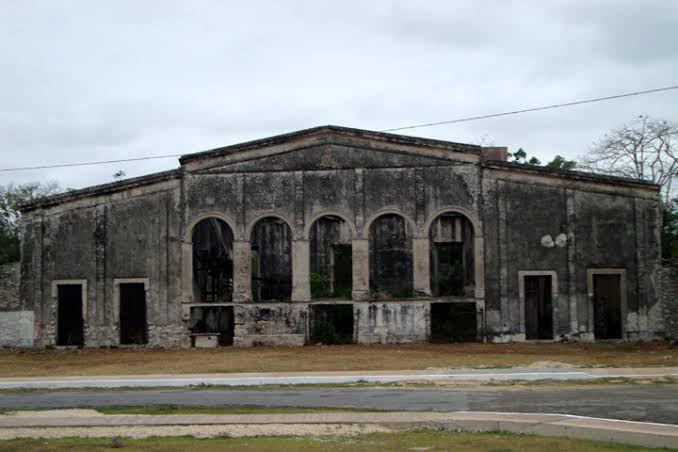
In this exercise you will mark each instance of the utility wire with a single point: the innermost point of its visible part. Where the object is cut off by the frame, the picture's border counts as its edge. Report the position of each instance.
(417, 126)
(101, 162)
(527, 110)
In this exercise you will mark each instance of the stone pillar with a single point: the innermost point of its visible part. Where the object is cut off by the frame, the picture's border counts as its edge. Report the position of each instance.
(186, 272)
(361, 269)
(301, 284)
(479, 266)
(421, 267)
(242, 273)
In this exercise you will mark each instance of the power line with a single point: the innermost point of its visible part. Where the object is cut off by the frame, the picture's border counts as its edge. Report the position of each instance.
(527, 110)
(101, 162)
(417, 126)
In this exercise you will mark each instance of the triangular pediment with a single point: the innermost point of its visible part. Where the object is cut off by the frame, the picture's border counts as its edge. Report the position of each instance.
(329, 147)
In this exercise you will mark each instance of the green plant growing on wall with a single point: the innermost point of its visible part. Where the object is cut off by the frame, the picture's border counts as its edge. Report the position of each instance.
(452, 283)
(343, 293)
(319, 285)
(402, 292)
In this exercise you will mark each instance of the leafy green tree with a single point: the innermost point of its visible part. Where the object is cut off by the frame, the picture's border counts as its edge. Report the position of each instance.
(520, 156)
(562, 163)
(11, 197)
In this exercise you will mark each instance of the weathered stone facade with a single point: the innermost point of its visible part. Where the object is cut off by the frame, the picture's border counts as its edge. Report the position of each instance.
(16, 326)
(10, 277)
(422, 222)
(669, 282)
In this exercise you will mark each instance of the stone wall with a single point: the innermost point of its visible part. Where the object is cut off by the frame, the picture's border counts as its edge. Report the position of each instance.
(270, 324)
(669, 283)
(10, 275)
(522, 219)
(391, 323)
(16, 329)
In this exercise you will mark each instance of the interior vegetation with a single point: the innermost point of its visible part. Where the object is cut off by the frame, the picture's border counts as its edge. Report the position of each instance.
(453, 322)
(332, 324)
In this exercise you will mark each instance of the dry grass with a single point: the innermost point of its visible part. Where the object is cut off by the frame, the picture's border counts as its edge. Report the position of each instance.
(30, 363)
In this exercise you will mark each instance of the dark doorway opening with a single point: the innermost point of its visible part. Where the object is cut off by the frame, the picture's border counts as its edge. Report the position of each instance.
(448, 269)
(271, 243)
(70, 324)
(331, 260)
(607, 317)
(212, 261)
(133, 325)
(451, 255)
(332, 324)
(453, 322)
(390, 257)
(214, 320)
(538, 307)
(342, 271)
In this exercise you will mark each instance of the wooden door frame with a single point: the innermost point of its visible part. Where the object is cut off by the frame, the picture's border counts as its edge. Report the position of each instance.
(554, 299)
(590, 273)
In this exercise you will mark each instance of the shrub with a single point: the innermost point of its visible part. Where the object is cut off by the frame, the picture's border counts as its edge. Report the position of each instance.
(319, 285)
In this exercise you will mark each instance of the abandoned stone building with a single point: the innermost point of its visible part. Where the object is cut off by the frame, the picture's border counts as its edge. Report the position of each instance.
(338, 235)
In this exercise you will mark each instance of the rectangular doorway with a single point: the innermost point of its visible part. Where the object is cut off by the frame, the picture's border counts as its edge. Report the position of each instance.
(538, 307)
(215, 320)
(70, 324)
(133, 324)
(607, 312)
(341, 277)
(453, 322)
(331, 324)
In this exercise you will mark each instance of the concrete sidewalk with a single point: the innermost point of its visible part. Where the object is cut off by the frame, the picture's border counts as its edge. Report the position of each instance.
(300, 378)
(61, 424)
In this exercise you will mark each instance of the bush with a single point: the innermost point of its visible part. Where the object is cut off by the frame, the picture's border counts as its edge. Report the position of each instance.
(402, 292)
(343, 293)
(319, 285)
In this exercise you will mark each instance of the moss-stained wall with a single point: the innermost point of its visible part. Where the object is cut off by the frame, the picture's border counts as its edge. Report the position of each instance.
(531, 224)
(524, 219)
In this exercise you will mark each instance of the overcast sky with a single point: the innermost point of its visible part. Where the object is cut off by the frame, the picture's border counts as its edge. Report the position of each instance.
(99, 80)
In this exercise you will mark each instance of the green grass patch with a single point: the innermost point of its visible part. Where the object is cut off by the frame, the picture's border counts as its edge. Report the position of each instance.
(367, 385)
(161, 410)
(427, 440)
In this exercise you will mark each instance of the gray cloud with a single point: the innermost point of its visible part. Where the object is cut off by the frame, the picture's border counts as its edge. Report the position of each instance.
(96, 80)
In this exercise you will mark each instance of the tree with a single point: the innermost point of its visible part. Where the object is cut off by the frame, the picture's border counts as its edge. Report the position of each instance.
(562, 163)
(11, 197)
(645, 149)
(520, 156)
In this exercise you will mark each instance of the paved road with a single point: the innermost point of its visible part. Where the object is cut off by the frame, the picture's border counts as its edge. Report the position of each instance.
(649, 403)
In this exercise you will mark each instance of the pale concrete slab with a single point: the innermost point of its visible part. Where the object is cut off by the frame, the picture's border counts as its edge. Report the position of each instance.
(637, 433)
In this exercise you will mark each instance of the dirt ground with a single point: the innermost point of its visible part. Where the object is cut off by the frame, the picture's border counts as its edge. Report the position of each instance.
(127, 361)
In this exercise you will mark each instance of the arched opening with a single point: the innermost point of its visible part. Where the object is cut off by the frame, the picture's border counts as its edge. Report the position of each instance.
(390, 257)
(331, 263)
(271, 242)
(451, 256)
(212, 242)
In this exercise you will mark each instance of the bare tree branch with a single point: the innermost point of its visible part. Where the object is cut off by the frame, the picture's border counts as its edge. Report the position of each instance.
(644, 149)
